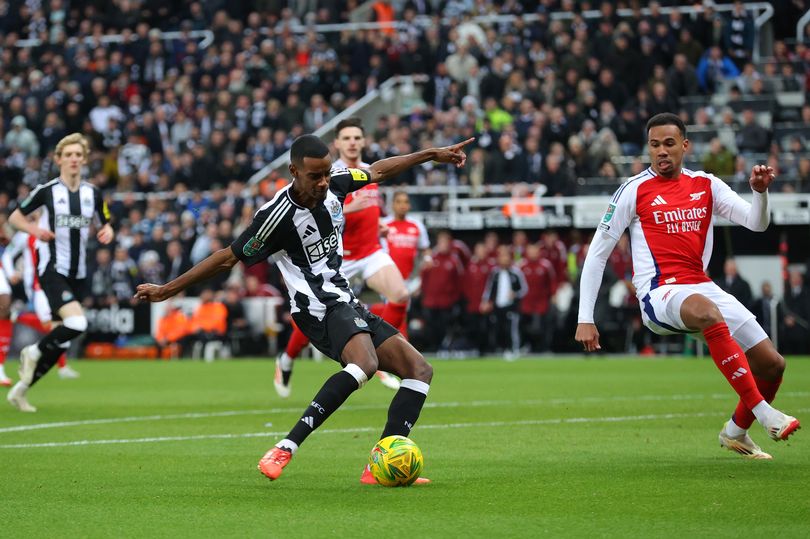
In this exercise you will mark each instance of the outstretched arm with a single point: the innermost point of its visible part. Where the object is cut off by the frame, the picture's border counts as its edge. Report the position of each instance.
(755, 215)
(391, 167)
(222, 260)
(592, 271)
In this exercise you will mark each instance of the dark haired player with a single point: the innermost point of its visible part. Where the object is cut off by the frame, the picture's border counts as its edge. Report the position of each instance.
(669, 211)
(302, 224)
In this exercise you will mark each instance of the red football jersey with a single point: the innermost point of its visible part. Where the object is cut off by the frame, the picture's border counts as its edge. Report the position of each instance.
(404, 241)
(361, 235)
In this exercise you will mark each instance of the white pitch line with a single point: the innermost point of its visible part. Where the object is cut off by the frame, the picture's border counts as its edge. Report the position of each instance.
(482, 424)
(356, 407)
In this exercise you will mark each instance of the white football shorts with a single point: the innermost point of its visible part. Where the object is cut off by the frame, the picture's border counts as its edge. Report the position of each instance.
(368, 266)
(661, 312)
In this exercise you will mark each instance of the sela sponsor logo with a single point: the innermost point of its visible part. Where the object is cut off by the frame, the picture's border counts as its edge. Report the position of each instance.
(730, 359)
(739, 373)
(659, 201)
(696, 196)
(324, 247)
(72, 221)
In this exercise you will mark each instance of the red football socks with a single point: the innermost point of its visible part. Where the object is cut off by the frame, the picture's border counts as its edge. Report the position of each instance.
(394, 313)
(298, 341)
(6, 328)
(62, 361)
(731, 360)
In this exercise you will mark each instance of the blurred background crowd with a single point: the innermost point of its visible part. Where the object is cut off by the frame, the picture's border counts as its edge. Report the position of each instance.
(180, 120)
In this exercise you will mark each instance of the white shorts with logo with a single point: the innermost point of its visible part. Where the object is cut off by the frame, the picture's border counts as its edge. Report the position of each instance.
(661, 312)
(5, 288)
(368, 266)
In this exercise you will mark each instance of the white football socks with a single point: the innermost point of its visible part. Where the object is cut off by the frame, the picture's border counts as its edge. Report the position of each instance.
(284, 362)
(288, 444)
(733, 430)
(765, 413)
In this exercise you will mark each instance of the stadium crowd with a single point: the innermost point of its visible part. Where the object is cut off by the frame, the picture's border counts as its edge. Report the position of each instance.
(551, 102)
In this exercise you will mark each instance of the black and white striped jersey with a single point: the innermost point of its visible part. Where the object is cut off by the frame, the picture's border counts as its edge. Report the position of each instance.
(68, 214)
(308, 243)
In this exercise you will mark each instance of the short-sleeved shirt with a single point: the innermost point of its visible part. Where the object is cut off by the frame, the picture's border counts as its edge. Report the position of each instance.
(307, 243)
(361, 236)
(670, 222)
(68, 214)
(404, 241)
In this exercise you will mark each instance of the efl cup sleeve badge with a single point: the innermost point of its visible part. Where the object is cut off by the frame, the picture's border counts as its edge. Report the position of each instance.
(358, 175)
(604, 225)
(253, 246)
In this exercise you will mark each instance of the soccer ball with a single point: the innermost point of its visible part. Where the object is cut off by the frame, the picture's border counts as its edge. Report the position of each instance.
(396, 461)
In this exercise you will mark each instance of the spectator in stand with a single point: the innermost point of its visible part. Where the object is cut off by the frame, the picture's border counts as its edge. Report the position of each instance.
(238, 326)
(681, 77)
(752, 137)
(535, 307)
(765, 308)
(714, 68)
(718, 160)
(101, 282)
(476, 274)
(738, 34)
(171, 332)
(441, 292)
(209, 321)
(796, 321)
(21, 138)
(734, 284)
(124, 273)
(505, 287)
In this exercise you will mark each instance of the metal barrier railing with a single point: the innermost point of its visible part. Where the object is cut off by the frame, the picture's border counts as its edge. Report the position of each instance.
(206, 37)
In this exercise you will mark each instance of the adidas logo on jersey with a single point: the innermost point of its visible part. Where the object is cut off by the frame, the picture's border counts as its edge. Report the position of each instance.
(659, 201)
(310, 230)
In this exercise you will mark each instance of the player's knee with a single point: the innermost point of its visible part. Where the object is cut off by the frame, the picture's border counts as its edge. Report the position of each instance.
(400, 296)
(76, 323)
(774, 367)
(710, 316)
(368, 365)
(422, 370)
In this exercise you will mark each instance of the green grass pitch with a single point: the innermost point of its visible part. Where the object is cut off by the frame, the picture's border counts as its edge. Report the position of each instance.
(532, 448)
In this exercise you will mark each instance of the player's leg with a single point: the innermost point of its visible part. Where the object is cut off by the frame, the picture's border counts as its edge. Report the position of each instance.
(767, 367)
(383, 276)
(284, 363)
(397, 355)
(6, 330)
(388, 282)
(37, 359)
(698, 312)
(338, 335)
(43, 311)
